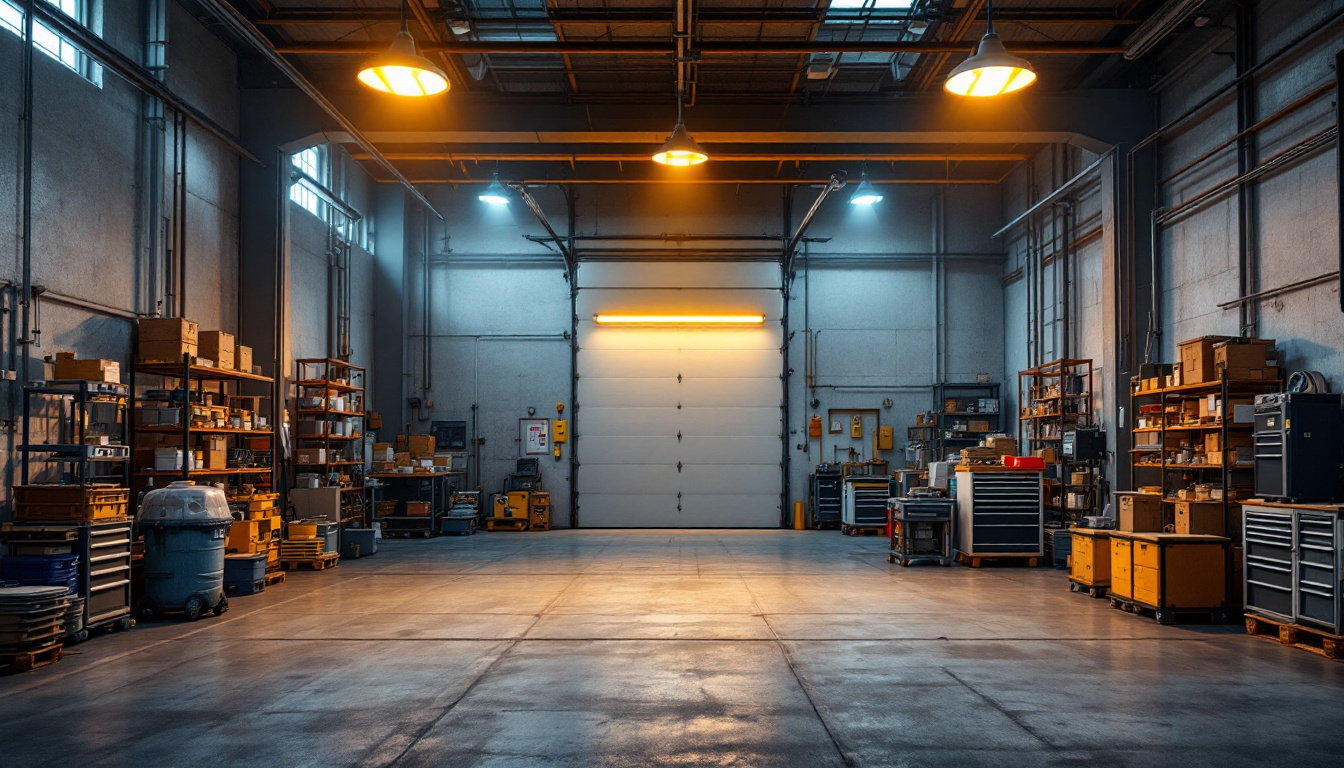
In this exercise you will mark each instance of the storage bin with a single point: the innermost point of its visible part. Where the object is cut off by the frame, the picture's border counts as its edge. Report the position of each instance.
(185, 527)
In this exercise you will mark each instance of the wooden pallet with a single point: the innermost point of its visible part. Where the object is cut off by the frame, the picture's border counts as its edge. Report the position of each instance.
(507, 524)
(275, 577)
(25, 661)
(1097, 591)
(977, 561)
(319, 563)
(1317, 641)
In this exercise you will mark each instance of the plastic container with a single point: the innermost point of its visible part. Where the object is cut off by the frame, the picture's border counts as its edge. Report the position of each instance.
(1024, 462)
(358, 542)
(185, 527)
(244, 574)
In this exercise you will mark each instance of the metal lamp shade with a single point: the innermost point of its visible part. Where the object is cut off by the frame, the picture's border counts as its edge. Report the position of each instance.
(992, 71)
(403, 71)
(680, 149)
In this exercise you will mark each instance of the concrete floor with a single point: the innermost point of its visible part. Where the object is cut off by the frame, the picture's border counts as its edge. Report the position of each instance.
(596, 648)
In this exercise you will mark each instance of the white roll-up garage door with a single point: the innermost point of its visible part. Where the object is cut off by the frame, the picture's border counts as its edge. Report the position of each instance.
(679, 427)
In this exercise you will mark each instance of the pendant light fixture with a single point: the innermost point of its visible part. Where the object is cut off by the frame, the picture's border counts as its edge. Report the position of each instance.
(992, 70)
(865, 193)
(680, 149)
(402, 71)
(495, 194)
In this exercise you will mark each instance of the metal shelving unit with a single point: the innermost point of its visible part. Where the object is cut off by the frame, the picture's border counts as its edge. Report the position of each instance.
(1053, 398)
(73, 406)
(188, 376)
(322, 379)
(1170, 473)
(945, 438)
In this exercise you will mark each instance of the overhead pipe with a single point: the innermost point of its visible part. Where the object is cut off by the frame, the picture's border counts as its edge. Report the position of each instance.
(835, 182)
(228, 16)
(636, 17)
(1247, 220)
(560, 244)
(570, 157)
(180, 222)
(702, 49)
(689, 181)
(1055, 195)
(1339, 162)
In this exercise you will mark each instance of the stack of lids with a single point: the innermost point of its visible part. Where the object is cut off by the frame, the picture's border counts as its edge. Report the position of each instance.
(32, 617)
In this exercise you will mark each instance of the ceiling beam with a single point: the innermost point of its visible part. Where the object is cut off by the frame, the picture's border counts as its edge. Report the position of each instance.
(876, 157)
(634, 17)
(744, 48)
(543, 182)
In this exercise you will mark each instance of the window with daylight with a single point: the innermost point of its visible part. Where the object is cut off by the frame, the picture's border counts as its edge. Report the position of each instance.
(312, 163)
(85, 12)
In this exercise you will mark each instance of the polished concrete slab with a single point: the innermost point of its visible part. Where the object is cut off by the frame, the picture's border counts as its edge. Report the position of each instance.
(689, 648)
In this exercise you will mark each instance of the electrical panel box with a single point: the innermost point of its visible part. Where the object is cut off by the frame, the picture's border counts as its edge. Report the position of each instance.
(560, 431)
(449, 435)
(856, 427)
(886, 438)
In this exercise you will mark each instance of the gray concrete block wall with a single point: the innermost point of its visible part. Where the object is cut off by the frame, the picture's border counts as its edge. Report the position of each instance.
(1296, 216)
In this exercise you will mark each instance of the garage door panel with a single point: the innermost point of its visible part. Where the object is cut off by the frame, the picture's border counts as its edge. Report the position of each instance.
(633, 510)
(756, 421)
(625, 449)
(598, 420)
(696, 449)
(727, 363)
(627, 363)
(754, 510)
(643, 338)
(640, 392)
(729, 392)
(628, 478)
(732, 479)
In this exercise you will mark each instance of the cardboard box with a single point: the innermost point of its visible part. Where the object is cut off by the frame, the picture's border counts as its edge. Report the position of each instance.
(443, 461)
(167, 329)
(401, 459)
(1138, 512)
(979, 425)
(1194, 517)
(1146, 439)
(93, 369)
(1213, 441)
(1241, 456)
(382, 452)
(1197, 359)
(421, 446)
(310, 456)
(1250, 374)
(1241, 354)
(1048, 454)
(216, 459)
(403, 444)
(165, 351)
(311, 426)
(243, 358)
(218, 346)
(215, 443)
(375, 420)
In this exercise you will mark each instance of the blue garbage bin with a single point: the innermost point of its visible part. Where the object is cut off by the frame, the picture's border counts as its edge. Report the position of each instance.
(185, 528)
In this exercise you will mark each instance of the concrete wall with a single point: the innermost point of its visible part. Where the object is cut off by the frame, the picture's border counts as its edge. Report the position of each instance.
(499, 304)
(1295, 228)
(89, 241)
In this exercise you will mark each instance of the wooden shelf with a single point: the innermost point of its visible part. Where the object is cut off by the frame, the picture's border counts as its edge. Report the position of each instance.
(328, 437)
(328, 412)
(169, 430)
(334, 385)
(201, 372)
(204, 472)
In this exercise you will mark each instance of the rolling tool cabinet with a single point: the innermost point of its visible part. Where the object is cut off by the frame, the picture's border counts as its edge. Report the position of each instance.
(921, 530)
(1294, 563)
(827, 498)
(865, 502)
(1000, 512)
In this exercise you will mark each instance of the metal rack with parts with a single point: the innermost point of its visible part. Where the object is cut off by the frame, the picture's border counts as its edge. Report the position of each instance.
(1055, 398)
(328, 433)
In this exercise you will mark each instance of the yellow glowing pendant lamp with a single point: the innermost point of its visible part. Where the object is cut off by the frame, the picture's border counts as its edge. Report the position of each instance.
(992, 70)
(402, 71)
(680, 149)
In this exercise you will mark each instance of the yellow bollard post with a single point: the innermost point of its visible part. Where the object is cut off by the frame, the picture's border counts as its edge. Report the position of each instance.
(799, 521)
